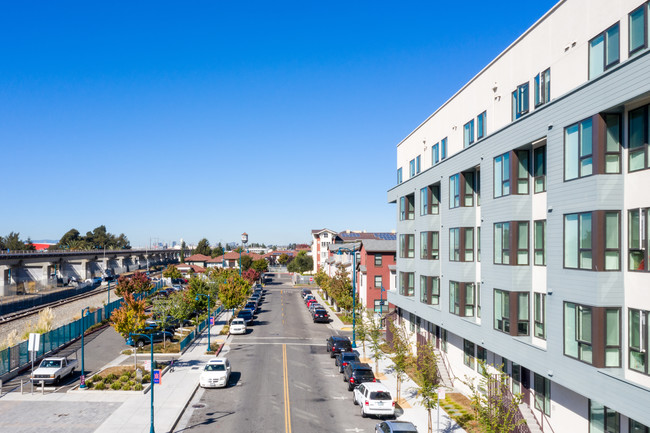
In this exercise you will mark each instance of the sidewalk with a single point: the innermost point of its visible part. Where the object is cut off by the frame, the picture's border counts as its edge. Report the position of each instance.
(133, 415)
(412, 410)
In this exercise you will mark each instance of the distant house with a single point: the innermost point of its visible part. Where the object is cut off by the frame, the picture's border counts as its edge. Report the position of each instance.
(186, 268)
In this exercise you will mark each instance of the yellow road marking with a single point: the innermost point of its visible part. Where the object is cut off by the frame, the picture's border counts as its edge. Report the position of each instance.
(287, 407)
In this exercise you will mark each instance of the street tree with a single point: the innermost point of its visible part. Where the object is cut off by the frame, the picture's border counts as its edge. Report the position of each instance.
(137, 283)
(427, 378)
(400, 354)
(246, 262)
(172, 272)
(233, 291)
(129, 317)
(181, 305)
(283, 259)
(260, 265)
(251, 275)
(376, 340)
(302, 263)
(362, 329)
(183, 247)
(203, 247)
(162, 309)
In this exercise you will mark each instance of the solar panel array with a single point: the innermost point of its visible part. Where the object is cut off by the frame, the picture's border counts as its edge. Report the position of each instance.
(386, 236)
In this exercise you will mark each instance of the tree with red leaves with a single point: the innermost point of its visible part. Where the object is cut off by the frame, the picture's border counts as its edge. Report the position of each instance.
(138, 283)
(251, 275)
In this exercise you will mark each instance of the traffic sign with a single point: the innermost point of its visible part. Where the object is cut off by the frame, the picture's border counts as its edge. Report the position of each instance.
(211, 321)
(156, 377)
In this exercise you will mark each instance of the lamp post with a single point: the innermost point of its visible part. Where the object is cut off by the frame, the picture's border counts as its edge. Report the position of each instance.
(354, 291)
(381, 300)
(244, 240)
(150, 337)
(209, 314)
(109, 292)
(84, 313)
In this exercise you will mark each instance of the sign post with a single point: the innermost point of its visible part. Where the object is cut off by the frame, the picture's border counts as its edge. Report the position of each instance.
(33, 346)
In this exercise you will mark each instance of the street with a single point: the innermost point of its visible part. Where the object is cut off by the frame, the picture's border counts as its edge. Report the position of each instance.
(283, 348)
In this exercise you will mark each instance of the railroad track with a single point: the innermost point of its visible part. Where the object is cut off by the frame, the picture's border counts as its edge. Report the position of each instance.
(7, 318)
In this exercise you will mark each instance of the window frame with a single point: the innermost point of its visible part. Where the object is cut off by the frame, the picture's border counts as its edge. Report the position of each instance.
(463, 249)
(543, 243)
(591, 345)
(642, 230)
(597, 252)
(430, 200)
(521, 101)
(504, 162)
(481, 125)
(381, 282)
(580, 143)
(643, 148)
(645, 8)
(418, 164)
(405, 289)
(429, 251)
(430, 290)
(540, 150)
(378, 260)
(407, 246)
(435, 154)
(468, 134)
(539, 315)
(469, 353)
(462, 298)
(399, 175)
(542, 87)
(643, 334)
(605, 35)
(443, 148)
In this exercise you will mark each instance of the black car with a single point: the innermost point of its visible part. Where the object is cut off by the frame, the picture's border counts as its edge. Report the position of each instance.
(141, 340)
(251, 305)
(355, 373)
(344, 358)
(305, 292)
(395, 427)
(247, 315)
(336, 344)
(320, 315)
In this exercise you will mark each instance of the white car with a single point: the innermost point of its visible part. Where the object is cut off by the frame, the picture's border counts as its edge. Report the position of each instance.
(216, 373)
(237, 326)
(374, 399)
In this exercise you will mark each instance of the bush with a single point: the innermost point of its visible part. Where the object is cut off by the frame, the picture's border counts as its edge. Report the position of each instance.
(116, 386)
(89, 384)
(110, 378)
(100, 386)
(126, 387)
(124, 378)
(137, 387)
(146, 378)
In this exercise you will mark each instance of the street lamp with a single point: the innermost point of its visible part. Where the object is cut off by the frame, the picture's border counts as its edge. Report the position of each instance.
(85, 311)
(244, 240)
(150, 337)
(209, 314)
(354, 291)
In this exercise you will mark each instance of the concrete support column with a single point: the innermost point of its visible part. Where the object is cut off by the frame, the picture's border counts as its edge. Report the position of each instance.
(84, 269)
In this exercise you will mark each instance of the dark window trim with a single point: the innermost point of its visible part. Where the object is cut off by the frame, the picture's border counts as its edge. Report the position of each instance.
(380, 257)
(431, 191)
(462, 250)
(605, 43)
(543, 249)
(481, 132)
(643, 243)
(427, 296)
(643, 7)
(644, 339)
(598, 241)
(513, 243)
(429, 253)
(404, 288)
(646, 138)
(462, 298)
(535, 152)
(517, 100)
(540, 86)
(513, 312)
(542, 297)
(470, 126)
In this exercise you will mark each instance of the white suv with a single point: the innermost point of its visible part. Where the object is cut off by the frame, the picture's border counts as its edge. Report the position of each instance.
(237, 326)
(374, 399)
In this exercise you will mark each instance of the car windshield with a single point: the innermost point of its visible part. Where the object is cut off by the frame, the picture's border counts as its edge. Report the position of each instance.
(215, 367)
(50, 364)
(365, 374)
(380, 395)
(238, 322)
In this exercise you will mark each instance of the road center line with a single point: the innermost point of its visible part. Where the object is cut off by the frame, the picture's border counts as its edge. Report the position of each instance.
(287, 407)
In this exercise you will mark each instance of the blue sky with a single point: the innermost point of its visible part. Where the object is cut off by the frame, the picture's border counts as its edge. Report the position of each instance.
(167, 120)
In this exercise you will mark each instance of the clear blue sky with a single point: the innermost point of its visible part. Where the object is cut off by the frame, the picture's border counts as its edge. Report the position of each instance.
(173, 119)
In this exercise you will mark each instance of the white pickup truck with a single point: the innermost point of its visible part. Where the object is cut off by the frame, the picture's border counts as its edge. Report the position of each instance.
(52, 370)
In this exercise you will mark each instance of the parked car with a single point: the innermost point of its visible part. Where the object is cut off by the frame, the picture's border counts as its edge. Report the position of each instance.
(344, 358)
(216, 373)
(356, 373)
(309, 298)
(395, 427)
(141, 340)
(311, 301)
(320, 315)
(337, 344)
(237, 326)
(247, 315)
(251, 305)
(374, 399)
(52, 370)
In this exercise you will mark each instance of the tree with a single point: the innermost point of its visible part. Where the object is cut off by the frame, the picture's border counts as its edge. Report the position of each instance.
(181, 306)
(162, 312)
(302, 263)
(201, 286)
(234, 291)
(203, 247)
(29, 246)
(427, 379)
(260, 265)
(341, 288)
(400, 354)
(172, 272)
(362, 330)
(12, 242)
(251, 275)
(129, 317)
(217, 251)
(494, 406)
(138, 283)
(246, 262)
(375, 338)
(283, 259)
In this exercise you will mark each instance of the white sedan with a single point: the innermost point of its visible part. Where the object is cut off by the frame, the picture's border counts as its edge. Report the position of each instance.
(215, 373)
(237, 326)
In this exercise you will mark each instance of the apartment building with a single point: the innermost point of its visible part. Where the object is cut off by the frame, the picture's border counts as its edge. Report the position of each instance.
(320, 240)
(522, 219)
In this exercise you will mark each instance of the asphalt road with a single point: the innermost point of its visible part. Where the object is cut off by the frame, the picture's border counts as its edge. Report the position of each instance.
(283, 380)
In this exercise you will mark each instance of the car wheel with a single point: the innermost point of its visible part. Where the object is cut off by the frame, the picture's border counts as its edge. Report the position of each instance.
(344, 379)
(140, 344)
(354, 399)
(363, 414)
(350, 387)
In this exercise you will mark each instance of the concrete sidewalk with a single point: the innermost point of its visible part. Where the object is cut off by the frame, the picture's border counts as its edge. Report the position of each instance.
(411, 409)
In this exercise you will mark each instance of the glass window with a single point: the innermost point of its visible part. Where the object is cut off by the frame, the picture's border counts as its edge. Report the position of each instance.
(412, 168)
(638, 328)
(540, 243)
(468, 133)
(523, 317)
(522, 243)
(454, 191)
(603, 419)
(577, 241)
(443, 148)
(604, 51)
(409, 206)
(454, 298)
(638, 29)
(543, 87)
(502, 311)
(469, 300)
(402, 208)
(468, 193)
(407, 246)
(502, 243)
(638, 138)
(429, 290)
(542, 388)
(540, 315)
(454, 245)
(424, 201)
(378, 282)
(612, 337)
(407, 284)
(478, 300)
(478, 244)
(429, 245)
(522, 171)
(418, 164)
(637, 427)
(577, 332)
(539, 169)
(468, 353)
(578, 158)
(481, 125)
(520, 101)
(399, 175)
(638, 230)
(469, 244)
(502, 175)
(378, 260)
(435, 154)
(612, 143)
(612, 242)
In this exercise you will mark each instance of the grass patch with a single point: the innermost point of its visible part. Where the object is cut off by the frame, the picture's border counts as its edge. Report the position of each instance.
(225, 330)
(116, 378)
(459, 408)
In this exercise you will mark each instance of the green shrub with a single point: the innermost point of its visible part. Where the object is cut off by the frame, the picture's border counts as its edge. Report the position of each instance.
(110, 378)
(116, 386)
(137, 387)
(126, 387)
(89, 384)
(146, 378)
(100, 385)
(131, 382)
(124, 378)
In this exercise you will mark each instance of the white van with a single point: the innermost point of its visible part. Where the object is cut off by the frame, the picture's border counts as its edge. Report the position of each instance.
(374, 399)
